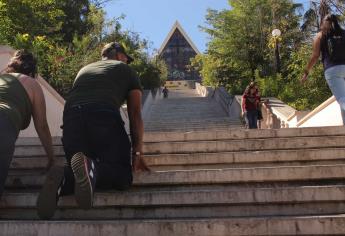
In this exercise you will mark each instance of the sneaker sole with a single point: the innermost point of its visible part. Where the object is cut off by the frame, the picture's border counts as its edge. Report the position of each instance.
(82, 188)
(47, 199)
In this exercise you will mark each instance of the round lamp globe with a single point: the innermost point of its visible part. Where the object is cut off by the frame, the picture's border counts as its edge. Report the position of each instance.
(276, 33)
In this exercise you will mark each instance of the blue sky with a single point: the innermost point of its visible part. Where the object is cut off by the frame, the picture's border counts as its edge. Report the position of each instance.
(153, 19)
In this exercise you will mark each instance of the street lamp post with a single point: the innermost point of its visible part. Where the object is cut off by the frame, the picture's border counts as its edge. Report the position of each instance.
(276, 33)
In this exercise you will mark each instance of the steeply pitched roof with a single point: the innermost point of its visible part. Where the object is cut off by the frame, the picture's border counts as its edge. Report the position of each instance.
(179, 27)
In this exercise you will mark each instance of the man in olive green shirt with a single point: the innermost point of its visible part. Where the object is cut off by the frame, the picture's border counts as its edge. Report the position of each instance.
(98, 151)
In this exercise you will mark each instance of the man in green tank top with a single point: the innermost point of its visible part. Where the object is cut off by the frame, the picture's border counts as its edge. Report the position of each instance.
(98, 150)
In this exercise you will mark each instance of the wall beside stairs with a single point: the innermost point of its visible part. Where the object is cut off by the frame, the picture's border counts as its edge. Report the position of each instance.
(276, 114)
(230, 104)
(327, 114)
(149, 97)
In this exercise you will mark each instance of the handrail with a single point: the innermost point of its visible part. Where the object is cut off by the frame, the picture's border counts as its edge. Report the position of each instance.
(316, 110)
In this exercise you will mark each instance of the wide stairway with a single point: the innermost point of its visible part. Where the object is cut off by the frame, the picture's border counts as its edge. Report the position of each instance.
(186, 110)
(205, 182)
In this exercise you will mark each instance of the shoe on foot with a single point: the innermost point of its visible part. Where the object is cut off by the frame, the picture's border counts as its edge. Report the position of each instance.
(49, 196)
(85, 179)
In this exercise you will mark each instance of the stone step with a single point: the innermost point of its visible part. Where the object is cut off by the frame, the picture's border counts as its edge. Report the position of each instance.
(171, 109)
(192, 116)
(30, 141)
(190, 124)
(182, 112)
(212, 146)
(189, 129)
(204, 110)
(203, 107)
(35, 150)
(251, 226)
(186, 102)
(186, 112)
(243, 134)
(210, 196)
(191, 103)
(30, 178)
(172, 127)
(180, 212)
(217, 160)
(247, 157)
(192, 120)
(33, 162)
(231, 133)
(204, 125)
(247, 145)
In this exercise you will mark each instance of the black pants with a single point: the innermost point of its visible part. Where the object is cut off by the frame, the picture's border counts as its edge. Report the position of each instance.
(98, 131)
(8, 137)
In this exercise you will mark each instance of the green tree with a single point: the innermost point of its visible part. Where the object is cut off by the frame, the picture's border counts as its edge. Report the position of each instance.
(60, 20)
(29, 16)
(240, 38)
(65, 35)
(290, 90)
(242, 48)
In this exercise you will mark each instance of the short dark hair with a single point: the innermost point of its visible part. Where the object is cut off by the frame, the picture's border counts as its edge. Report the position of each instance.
(23, 62)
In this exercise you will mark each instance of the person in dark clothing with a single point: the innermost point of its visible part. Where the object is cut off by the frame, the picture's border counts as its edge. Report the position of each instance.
(98, 151)
(165, 92)
(250, 101)
(20, 98)
(257, 93)
(334, 68)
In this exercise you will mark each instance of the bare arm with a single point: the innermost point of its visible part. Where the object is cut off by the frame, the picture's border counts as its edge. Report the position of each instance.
(314, 57)
(243, 104)
(135, 120)
(40, 120)
(136, 128)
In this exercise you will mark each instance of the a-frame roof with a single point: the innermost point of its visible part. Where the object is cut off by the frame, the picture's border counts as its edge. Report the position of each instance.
(179, 27)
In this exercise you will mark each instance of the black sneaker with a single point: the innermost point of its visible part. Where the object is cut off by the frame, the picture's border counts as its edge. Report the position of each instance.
(85, 179)
(49, 196)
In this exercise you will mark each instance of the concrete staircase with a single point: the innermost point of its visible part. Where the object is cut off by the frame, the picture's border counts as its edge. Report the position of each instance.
(186, 110)
(204, 182)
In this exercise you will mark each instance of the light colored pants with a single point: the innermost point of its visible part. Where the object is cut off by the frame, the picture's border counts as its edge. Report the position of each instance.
(335, 77)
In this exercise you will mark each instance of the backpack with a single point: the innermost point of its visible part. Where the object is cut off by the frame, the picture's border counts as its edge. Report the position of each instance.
(336, 47)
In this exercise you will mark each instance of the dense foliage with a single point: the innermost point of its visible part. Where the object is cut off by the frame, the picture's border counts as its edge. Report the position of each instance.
(68, 34)
(242, 49)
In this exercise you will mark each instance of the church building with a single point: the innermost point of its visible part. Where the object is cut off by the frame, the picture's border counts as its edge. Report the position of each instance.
(177, 50)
